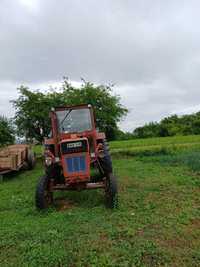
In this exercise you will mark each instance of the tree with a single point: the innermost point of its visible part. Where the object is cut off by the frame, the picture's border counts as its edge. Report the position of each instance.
(6, 131)
(170, 126)
(32, 108)
(32, 112)
(148, 130)
(107, 107)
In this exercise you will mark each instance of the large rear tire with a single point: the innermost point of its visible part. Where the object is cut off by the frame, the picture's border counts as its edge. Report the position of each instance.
(43, 197)
(111, 191)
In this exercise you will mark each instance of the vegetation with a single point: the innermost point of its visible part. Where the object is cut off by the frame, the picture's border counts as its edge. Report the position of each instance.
(6, 131)
(157, 223)
(153, 146)
(32, 108)
(171, 126)
(32, 113)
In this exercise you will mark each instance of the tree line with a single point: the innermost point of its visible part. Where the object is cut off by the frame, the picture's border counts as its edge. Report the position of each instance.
(169, 126)
(32, 108)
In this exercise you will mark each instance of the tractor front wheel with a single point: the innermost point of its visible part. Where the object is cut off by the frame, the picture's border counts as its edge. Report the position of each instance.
(43, 196)
(111, 191)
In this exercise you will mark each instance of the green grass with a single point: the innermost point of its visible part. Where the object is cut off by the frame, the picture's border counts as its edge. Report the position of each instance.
(154, 146)
(157, 223)
(156, 141)
(38, 150)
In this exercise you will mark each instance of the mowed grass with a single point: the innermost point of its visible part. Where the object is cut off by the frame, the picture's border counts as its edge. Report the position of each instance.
(174, 140)
(152, 146)
(157, 222)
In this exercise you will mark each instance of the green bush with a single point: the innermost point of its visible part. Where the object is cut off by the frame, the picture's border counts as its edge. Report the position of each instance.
(6, 131)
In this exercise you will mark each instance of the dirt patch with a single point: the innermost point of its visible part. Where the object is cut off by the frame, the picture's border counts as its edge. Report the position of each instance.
(193, 227)
(62, 204)
(174, 243)
(143, 230)
(195, 223)
(103, 242)
(127, 183)
(103, 237)
(189, 239)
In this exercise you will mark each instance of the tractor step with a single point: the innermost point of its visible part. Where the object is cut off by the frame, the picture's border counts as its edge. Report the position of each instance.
(95, 185)
(78, 187)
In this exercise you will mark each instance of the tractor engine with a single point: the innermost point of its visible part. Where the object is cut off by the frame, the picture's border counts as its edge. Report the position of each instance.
(75, 158)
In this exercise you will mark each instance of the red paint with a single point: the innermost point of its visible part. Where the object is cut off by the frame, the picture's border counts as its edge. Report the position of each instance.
(58, 138)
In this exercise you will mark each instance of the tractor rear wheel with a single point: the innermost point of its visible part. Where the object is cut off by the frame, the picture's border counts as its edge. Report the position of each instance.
(43, 197)
(111, 191)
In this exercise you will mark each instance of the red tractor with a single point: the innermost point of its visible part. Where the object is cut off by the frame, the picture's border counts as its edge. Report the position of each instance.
(74, 148)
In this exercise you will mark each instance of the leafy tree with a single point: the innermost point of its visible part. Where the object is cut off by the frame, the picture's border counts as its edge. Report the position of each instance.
(32, 112)
(6, 131)
(32, 108)
(170, 126)
(120, 135)
(148, 130)
(107, 107)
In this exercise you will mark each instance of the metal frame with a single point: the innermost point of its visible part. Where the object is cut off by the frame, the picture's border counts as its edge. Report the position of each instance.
(61, 187)
(57, 138)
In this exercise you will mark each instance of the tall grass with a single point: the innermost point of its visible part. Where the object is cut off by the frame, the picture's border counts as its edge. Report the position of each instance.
(191, 159)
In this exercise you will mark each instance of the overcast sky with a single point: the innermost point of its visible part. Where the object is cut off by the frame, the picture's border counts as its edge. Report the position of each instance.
(149, 48)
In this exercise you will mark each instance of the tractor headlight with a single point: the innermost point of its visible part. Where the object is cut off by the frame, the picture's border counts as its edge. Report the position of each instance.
(48, 161)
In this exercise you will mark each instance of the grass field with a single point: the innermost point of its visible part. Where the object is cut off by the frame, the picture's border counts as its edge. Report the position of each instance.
(157, 223)
(153, 146)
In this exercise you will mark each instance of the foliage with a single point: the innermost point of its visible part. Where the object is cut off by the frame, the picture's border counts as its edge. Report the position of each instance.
(170, 126)
(107, 107)
(149, 130)
(32, 112)
(32, 108)
(6, 131)
(157, 218)
(121, 135)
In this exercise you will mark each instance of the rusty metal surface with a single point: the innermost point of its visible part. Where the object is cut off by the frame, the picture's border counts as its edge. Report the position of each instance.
(78, 179)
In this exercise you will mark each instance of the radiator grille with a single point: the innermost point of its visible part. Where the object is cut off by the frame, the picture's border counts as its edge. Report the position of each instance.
(68, 150)
(76, 164)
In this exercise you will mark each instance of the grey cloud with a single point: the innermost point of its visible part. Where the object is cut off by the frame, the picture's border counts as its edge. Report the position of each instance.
(150, 49)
